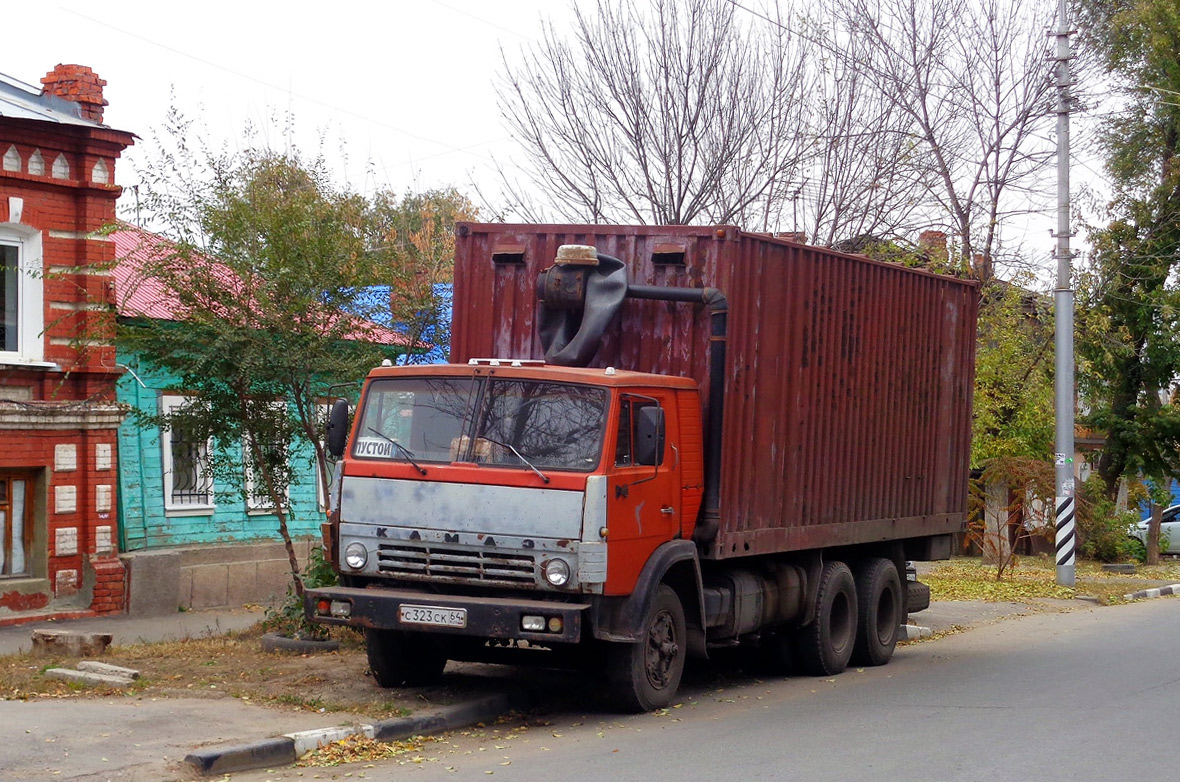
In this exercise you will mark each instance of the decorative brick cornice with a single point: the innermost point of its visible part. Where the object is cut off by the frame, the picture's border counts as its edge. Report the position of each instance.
(61, 415)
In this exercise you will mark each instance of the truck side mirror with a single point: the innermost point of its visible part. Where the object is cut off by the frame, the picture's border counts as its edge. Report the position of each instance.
(649, 435)
(337, 433)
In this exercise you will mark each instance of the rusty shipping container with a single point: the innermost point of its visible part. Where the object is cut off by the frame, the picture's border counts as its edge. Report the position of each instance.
(848, 381)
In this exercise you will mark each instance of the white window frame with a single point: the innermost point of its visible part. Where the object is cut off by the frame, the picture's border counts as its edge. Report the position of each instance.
(169, 403)
(322, 503)
(30, 347)
(260, 503)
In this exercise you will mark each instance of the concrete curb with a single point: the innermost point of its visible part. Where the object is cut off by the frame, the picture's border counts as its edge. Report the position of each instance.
(285, 750)
(914, 633)
(1144, 594)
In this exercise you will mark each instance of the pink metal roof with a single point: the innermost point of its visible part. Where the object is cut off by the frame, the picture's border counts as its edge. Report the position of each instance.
(138, 295)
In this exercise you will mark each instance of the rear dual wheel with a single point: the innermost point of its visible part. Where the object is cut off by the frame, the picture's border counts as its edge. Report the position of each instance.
(857, 619)
(824, 646)
(881, 610)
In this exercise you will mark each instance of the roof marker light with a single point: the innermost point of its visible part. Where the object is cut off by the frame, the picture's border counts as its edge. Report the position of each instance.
(611, 371)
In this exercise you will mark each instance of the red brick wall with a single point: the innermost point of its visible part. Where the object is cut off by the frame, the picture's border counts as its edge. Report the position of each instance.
(59, 413)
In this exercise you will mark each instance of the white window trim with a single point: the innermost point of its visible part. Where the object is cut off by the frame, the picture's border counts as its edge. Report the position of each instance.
(323, 409)
(30, 295)
(168, 403)
(264, 505)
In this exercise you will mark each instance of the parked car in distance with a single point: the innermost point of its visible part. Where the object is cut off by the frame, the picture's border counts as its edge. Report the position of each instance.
(1169, 530)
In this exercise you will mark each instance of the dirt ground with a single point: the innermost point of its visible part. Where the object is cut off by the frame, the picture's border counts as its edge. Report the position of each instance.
(235, 666)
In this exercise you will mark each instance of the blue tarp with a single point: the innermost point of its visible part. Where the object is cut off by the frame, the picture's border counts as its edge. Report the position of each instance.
(436, 328)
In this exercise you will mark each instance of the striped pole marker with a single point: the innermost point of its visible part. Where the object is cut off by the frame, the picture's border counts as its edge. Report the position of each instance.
(1066, 538)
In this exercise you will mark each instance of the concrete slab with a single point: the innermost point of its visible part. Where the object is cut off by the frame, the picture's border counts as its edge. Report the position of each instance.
(91, 666)
(88, 678)
(69, 643)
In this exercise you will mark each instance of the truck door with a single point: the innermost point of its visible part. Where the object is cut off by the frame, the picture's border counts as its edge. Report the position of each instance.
(643, 487)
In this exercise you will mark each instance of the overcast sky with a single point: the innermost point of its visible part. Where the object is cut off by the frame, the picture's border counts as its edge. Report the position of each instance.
(405, 84)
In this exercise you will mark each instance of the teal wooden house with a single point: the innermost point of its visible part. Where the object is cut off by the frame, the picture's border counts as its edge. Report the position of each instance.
(189, 539)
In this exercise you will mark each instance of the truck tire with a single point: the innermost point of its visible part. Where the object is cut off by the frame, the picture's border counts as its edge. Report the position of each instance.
(881, 611)
(823, 647)
(403, 659)
(645, 676)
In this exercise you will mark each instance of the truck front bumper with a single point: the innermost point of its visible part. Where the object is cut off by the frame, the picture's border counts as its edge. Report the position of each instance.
(483, 617)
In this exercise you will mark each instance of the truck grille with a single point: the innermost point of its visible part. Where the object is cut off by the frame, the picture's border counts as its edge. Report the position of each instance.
(457, 564)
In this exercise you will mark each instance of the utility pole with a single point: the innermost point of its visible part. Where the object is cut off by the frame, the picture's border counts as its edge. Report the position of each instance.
(1063, 300)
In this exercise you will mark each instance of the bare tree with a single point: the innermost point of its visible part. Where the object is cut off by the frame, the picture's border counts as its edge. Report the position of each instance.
(668, 111)
(866, 174)
(973, 80)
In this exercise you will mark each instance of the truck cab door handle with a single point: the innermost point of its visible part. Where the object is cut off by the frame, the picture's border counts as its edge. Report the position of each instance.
(667, 510)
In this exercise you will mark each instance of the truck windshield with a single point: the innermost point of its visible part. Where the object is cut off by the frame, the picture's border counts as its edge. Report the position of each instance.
(554, 426)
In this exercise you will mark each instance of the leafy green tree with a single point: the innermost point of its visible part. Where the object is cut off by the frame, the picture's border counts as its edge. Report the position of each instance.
(1013, 403)
(1128, 325)
(268, 266)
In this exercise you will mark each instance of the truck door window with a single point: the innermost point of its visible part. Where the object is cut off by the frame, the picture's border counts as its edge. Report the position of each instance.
(626, 450)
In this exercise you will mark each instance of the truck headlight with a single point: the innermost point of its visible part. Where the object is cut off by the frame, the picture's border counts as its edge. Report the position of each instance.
(557, 572)
(355, 555)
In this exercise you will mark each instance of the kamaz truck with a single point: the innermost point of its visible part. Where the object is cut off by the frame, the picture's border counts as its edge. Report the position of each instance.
(652, 443)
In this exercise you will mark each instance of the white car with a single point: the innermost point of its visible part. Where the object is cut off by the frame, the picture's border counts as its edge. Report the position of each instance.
(1169, 529)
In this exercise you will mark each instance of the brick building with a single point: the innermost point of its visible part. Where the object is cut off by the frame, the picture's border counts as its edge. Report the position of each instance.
(58, 414)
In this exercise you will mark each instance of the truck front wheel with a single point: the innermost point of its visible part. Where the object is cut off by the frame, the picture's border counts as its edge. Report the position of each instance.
(403, 659)
(824, 646)
(645, 675)
(881, 609)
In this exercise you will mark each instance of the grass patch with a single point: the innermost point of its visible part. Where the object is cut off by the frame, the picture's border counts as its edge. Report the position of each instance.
(1035, 578)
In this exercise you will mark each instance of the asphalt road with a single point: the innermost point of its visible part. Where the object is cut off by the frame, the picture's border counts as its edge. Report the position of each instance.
(1085, 695)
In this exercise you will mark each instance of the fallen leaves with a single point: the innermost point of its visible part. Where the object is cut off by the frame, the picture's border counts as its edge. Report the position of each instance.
(1035, 578)
(358, 747)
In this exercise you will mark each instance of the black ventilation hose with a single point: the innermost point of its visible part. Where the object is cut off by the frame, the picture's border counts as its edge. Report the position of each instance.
(577, 305)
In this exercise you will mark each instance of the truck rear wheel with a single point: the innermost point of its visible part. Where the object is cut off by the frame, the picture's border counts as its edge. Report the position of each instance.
(645, 675)
(403, 659)
(880, 612)
(824, 646)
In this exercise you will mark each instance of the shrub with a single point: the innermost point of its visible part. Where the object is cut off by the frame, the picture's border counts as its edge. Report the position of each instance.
(288, 618)
(1104, 534)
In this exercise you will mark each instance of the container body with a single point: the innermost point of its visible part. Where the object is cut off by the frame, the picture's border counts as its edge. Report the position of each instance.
(848, 382)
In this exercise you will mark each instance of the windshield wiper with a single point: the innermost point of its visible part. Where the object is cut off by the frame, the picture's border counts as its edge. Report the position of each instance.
(519, 455)
(404, 451)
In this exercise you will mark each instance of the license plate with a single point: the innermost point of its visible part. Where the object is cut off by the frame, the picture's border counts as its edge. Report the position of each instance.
(432, 615)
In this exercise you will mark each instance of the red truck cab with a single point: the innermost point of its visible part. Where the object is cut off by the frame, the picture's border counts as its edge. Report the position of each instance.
(506, 500)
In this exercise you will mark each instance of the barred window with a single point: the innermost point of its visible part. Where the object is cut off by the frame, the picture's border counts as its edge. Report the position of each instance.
(187, 481)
